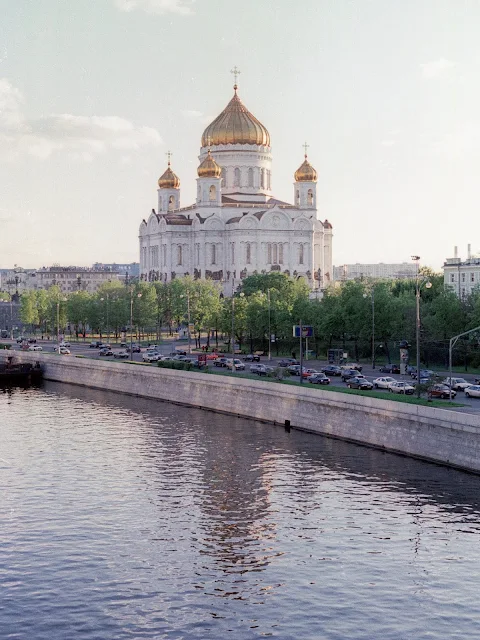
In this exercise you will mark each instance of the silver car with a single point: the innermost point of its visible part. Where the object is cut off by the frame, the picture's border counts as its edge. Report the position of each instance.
(473, 391)
(383, 383)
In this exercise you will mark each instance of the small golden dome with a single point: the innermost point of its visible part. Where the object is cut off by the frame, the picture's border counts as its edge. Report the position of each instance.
(209, 168)
(305, 172)
(169, 180)
(235, 125)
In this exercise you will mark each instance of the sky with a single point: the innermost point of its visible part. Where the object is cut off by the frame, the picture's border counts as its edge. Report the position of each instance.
(93, 93)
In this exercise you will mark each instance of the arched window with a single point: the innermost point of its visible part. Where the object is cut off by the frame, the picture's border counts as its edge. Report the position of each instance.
(214, 254)
(301, 254)
(262, 178)
(280, 253)
(236, 177)
(269, 179)
(179, 254)
(171, 203)
(224, 177)
(213, 193)
(250, 177)
(310, 197)
(298, 197)
(249, 254)
(274, 254)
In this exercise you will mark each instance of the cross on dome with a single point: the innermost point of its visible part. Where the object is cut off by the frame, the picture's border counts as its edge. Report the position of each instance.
(236, 72)
(305, 146)
(169, 154)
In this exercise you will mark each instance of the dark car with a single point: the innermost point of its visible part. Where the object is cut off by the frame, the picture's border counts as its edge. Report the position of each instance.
(252, 357)
(220, 362)
(319, 378)
(332, 370)
(441, 391)
(424, 373)
(349, 373)
(359, 383)
(105, 352)
(389, 368)
(294, 369)
(135, 349)
(287, 362)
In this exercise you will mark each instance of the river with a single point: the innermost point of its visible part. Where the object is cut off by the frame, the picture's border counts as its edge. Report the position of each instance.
(125, 518)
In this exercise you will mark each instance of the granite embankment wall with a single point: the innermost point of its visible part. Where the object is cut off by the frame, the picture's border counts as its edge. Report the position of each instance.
(429, 433)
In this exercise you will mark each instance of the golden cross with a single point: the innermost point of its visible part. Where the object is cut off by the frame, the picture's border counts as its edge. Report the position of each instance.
(236, 72)
(305, 146)
(169, 154)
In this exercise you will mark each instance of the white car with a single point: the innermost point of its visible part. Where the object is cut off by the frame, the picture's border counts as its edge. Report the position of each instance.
(150, 356)
(401, 387)
(383, 383)
(121, 354)
(63, 351)
(35, 347)
(458, 384)
(473, 391)
(235, 363)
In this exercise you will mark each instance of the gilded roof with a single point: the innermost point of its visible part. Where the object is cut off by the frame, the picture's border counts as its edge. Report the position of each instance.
(209, 168)
(305, 172)
(169, 180)
(235, 125)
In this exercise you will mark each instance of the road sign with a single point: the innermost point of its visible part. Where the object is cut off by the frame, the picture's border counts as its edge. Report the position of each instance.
(307, 331)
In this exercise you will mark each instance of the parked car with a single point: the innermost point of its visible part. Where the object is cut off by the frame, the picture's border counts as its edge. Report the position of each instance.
(252, 357)
(294, 369)
(261, 369)
(65, 344)
(212, 356)
(32, 341)
(332, 370)
(235, 364)
(63, 351)
(389, 368)
(353, 365)
(319, 378)
(473, 391)
(21, 339)
(383, 383)
(306, 373)
(401, 387)
(424, 373)
(94, 344)
(441, 391)
(105, 352)
(180, 352)
(359, 382)
(121, 354)
(287, 362)
(150, 356)
(35, 347)
(459, 384)
(349, 373)
(135, 348)
(220, 362)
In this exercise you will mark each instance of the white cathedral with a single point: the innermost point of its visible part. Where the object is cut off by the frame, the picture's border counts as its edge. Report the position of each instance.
(236, 228)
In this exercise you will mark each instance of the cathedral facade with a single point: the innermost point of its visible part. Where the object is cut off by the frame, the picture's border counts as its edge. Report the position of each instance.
(236, 227)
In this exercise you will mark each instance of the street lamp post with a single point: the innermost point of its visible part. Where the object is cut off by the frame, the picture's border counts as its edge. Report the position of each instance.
(139, 295)
(418, 285)
(233, 328)
(269, 328)
(365, 295)
(452, 343)
(188, 320)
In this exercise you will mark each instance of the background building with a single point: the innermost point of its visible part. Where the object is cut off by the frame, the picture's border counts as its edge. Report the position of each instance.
(462, 276)
(380, 270)
(71, 279)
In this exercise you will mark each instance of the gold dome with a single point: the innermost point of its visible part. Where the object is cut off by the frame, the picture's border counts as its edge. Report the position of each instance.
(235, 125)
(169, 180)
(209, 168)
(305, 172)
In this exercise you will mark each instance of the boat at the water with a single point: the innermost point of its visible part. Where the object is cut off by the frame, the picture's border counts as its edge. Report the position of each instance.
(11, 371)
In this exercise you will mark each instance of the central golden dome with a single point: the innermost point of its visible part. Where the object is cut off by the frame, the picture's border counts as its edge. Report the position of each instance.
(235, 125)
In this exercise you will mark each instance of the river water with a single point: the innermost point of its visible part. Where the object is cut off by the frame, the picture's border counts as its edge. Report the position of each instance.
(124, 518)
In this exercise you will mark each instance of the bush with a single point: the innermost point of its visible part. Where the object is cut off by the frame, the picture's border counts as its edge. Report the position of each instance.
(5, 346)
(175, 364)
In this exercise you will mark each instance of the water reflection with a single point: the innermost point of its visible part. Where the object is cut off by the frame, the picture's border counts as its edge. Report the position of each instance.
(191, 524)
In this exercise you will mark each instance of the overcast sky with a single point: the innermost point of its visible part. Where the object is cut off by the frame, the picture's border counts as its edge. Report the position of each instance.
(94, 92)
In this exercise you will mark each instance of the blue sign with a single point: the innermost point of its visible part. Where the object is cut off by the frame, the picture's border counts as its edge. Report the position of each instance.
(307, 331)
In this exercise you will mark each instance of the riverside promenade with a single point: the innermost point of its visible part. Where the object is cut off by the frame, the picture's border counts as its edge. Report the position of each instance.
(427, 433)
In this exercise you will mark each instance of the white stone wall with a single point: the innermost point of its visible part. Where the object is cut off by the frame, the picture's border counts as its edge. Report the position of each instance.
(432, 434)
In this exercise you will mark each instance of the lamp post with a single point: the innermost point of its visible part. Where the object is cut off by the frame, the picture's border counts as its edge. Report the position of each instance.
(108, 326)
(418, 284)
(233, 328)
(139, 295)
(452, 343)
(269, 328)
(58, 322)
(365, 295)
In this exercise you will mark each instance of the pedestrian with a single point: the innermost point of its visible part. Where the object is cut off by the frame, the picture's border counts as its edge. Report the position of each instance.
(294, 355)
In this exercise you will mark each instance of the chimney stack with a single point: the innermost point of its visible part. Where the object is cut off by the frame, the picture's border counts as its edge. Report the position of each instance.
(455, 252)
(469, 251)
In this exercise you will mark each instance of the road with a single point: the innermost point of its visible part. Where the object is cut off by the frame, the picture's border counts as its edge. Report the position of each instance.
(472, 405)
